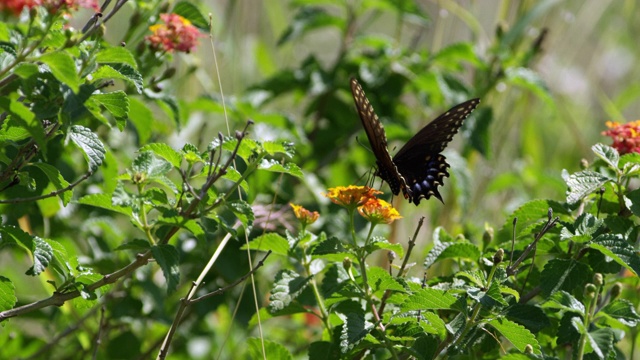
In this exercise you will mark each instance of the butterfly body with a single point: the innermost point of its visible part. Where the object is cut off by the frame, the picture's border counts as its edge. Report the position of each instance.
(419, 167)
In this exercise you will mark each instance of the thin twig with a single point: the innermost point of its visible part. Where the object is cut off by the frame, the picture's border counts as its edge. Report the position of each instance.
(51, 194)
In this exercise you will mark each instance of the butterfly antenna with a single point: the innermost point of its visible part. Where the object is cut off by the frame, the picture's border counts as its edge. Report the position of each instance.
(363, 145)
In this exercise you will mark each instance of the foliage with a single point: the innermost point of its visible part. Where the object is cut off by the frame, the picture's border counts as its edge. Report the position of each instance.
(121, 239)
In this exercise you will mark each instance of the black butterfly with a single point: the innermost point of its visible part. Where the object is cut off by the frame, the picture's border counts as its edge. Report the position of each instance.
(418, 168)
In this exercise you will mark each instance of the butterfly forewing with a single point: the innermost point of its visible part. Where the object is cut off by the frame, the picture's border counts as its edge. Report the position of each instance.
(378, 139)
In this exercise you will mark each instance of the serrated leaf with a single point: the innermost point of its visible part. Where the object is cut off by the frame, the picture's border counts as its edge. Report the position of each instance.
(532, 212)
(584, 183)
(329, 246)
(60, 261)
(530, 316)
(168, 259)
(608, 154)
(116, 54)
(243, 212)
(63, 68)
(516, 334)
(287, 287)
(90, 145)
(601, 342)
(272, 350)
(42, 255)
(448, 250)
(354, 329)
(147, 163)
(25, 119)
(623, 311)
(8, 297)
(380, 280)
(269, 241)
(275, 166)
(120, 71)
(564, 301)
(116, 103)
(564, 274)
(583, 228)
(429, 299)
(618, 249)
(164, 151)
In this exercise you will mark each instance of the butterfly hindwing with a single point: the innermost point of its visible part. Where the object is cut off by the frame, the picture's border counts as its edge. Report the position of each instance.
(418, 168)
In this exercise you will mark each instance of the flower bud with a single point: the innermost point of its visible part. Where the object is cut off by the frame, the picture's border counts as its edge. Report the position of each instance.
(487, 236)
(346, 263)
(584, 164)
(391, 255)
(498, 256)
(589, 291)
(597, 279)
(616, 289)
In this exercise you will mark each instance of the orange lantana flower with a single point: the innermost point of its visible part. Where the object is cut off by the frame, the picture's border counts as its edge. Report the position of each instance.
(351, 196)
(626, 137)
(176, 34)
(379, 211)
(305, 216)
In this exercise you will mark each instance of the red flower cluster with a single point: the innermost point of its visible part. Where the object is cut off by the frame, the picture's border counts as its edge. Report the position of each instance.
(16, 6)
(176, 34)
(626, 137)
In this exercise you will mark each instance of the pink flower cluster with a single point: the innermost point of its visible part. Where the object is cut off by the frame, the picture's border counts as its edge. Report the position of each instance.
(626, 137)
(16, 6)
(176, 34)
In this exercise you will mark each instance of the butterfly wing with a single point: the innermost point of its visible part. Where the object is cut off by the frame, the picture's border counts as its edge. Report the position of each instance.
(387, 170)
(419, 161)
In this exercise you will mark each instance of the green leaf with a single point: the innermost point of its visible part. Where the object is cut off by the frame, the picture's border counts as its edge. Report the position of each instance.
(583, 228)
(234, 176)
(287, 287)
(531, 316)
(564, 274)
(168, 259)
(122, 72)
(564, 301)
(116, 103)
(116, 54)
(60, 262)
(269, 241)
(429, 299)
(516, 334)
(329, 246)
(309, 18)
(354, 329)
(380, 280)
(380, 243)
(90, 145)
(56, 179)
(632, 201)
(63, 68)
(164, 151)
(42, 255)
(608, 154)
(275, 166)
(531, 80)
(601, 342)
(190, 12)
(618, 249)
(8, 297)
(528, 214)
(25, 119)
(142, 118)
(623, 311)
(584, 183)
(150, 165)
(272, 350)
(446, 250)
(135, 245)
(243, 211)
(104, 201)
